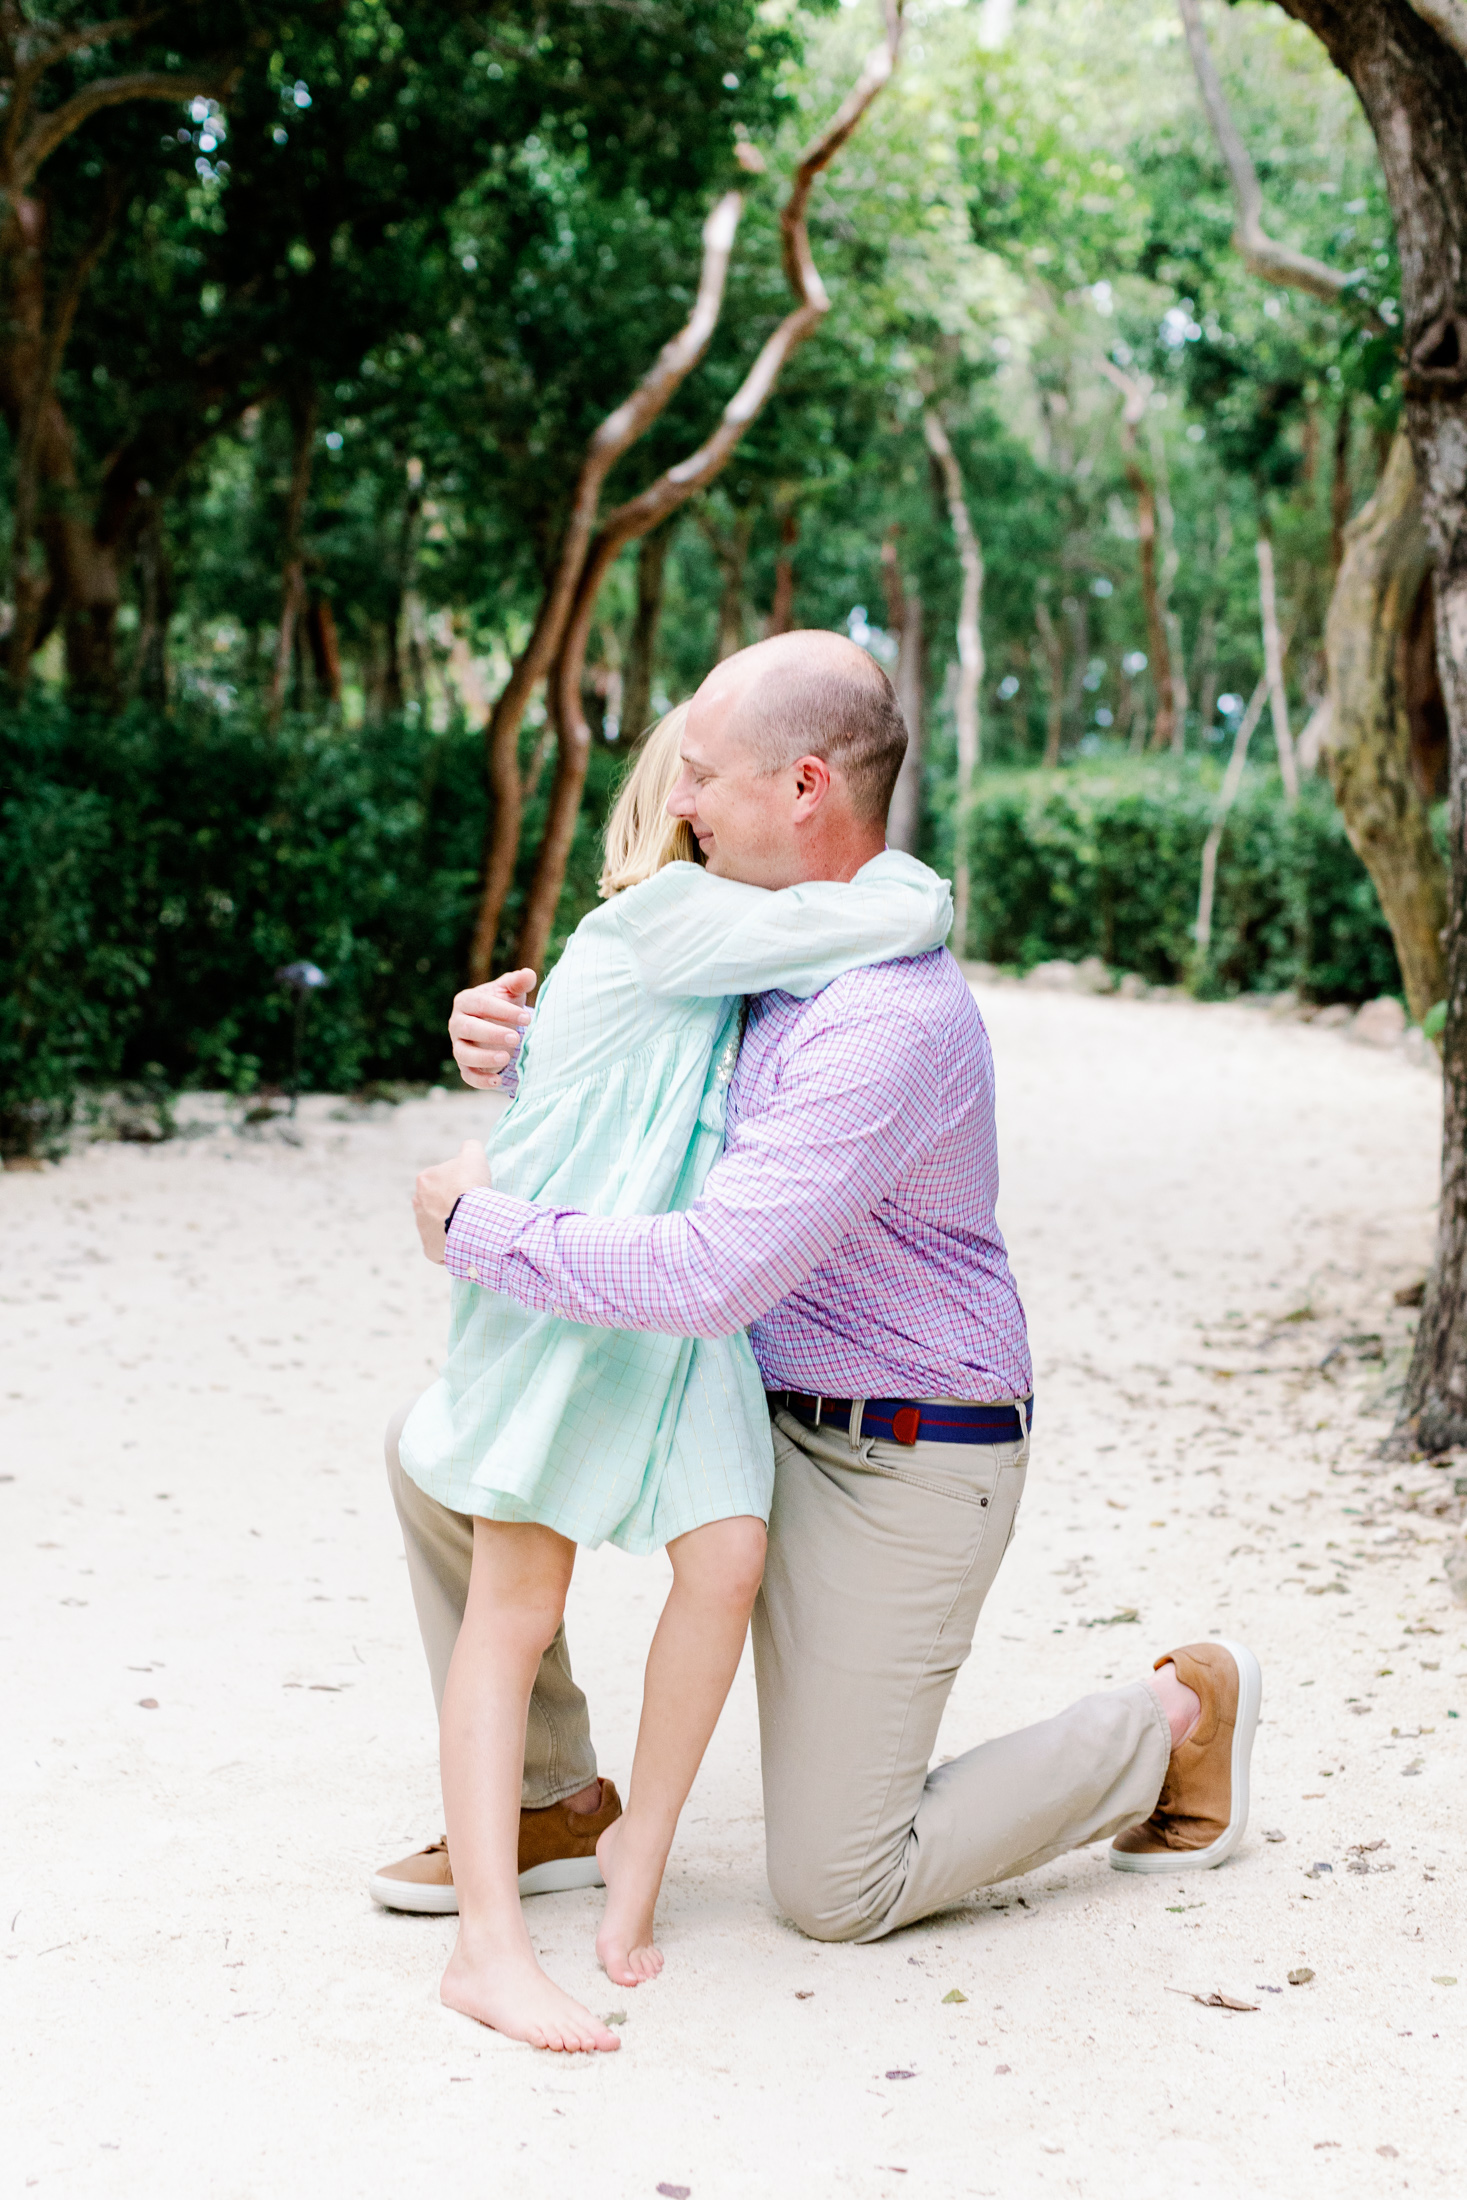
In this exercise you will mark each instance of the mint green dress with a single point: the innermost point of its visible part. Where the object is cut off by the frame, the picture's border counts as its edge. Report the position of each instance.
(618, 1435)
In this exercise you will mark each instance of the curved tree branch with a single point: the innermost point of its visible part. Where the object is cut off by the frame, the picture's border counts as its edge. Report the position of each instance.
(616, 434)
(26, 54)
(52, 129)
(679, 482)
(1448, 18)
(1260, 253)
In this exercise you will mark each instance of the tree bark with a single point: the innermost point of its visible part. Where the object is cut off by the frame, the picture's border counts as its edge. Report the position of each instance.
(148, 674)
(81, 584)
(782, 603)
(673, 489)
(304, 412)
(1367, 751)
(1417, 107)
(1054, 668)
(83, 587)
(1273, 665)
(617, 433)
(1228, 795)
(1341, 494)
(1273, 262)
(730, 547)
(393, 688)
(325, 647)
(970, 660)
(642, 650)
(904, 622)
(1164, 725)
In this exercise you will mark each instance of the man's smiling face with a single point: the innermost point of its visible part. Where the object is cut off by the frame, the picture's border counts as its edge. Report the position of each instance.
(733, 804)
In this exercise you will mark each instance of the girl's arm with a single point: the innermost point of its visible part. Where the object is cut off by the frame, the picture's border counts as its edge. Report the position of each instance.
(689, 933)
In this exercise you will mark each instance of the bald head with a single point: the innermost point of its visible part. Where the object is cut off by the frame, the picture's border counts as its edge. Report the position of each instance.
(815, 694)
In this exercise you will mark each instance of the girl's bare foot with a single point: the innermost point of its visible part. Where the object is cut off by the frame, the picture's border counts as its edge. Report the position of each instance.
(506, 1989)
(624, 1943)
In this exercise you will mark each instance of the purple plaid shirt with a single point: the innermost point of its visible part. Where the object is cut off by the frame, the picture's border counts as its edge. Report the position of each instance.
(848, 1225)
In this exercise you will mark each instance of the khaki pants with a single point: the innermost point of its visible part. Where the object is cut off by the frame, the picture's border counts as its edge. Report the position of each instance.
(559, 1759)
(880, 1557)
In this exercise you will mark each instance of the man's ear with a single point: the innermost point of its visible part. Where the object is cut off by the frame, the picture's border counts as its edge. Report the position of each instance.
(812, 785)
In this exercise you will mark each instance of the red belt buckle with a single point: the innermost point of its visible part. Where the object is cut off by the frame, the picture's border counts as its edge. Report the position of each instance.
(906, 1424)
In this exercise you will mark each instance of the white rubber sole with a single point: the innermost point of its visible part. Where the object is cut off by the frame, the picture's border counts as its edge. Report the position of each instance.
(1245, 1726)
(562, 1875)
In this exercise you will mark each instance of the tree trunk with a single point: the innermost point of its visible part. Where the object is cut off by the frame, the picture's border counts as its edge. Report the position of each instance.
(1273, 664)
(325, 648)
(904, 622)
(1054, 667)
(642, 650)
(1205, 666)
(1170, 562)
(730, 547)
(1164, 726)
(970, 661)
(81, 584)
(1341, 495)
(304, 410)
(782, 604)
(673, 488)
(1414, 92)
(1077, 618)
(148, 674)
(1367, 750)
(1128, 721)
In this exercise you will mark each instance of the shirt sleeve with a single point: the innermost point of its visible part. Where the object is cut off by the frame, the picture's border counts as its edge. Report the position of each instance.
(692, 934)
(856, 1104)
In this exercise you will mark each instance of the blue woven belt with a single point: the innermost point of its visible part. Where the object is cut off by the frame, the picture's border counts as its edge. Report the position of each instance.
(910, 1420)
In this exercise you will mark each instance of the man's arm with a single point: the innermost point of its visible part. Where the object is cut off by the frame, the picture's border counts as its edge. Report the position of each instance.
(856, 1104)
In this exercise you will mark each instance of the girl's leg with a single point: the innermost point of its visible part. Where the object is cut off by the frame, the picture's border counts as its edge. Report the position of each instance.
(694, 1656)
(517, 1589)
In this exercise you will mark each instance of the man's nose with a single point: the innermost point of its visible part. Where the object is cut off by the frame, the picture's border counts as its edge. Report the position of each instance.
(681, 803)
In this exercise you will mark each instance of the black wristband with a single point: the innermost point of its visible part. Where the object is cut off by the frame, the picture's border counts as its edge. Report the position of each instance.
(448, 1219)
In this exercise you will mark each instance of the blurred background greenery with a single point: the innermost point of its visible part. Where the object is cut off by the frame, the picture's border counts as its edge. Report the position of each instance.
(342, 328)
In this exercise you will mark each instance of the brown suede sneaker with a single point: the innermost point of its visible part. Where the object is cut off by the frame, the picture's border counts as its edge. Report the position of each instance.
(1202, 1809)
(557, 1853)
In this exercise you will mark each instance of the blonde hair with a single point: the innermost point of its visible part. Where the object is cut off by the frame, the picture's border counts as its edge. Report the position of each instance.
(640, 836)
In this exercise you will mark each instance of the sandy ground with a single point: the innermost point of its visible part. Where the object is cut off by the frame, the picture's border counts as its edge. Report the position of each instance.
(217, 1719)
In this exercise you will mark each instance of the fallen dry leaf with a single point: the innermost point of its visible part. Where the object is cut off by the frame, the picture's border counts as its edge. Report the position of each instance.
(804, 1993)
(901, 2073)
(954, 1996)
(675, 2192)
(1301, 1977)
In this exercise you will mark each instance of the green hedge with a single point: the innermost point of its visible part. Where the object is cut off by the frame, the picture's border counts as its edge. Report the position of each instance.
(1106, 860)
(155, 872)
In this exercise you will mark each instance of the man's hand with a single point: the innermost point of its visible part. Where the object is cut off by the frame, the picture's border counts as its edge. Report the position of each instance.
(485, 1027)
(437, 1189)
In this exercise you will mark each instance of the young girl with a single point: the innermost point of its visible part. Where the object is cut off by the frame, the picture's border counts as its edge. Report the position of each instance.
(552, 1434)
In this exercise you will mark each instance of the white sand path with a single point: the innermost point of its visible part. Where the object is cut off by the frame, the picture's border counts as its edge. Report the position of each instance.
(201, 1345)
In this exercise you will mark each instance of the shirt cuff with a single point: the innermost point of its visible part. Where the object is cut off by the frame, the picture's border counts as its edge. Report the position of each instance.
(485, 1226)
